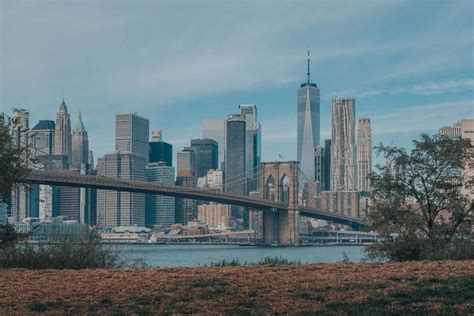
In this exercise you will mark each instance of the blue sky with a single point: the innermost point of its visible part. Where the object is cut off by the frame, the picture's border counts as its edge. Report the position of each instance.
(409, 64)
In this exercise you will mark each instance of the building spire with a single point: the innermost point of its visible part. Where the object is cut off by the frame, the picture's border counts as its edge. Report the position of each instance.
(308, 73)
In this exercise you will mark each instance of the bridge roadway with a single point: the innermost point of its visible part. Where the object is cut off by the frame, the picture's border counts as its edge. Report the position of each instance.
(72, 179)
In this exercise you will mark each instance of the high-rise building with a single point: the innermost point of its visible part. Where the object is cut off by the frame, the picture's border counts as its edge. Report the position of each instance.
(319, 176)
(62, 133)
(24, 202)
(235, 176)
(364, 154)
(115, 208)
(42, 138)
(235, 155)
(205, 154)
(131, 135)
(343, 153)
(161, 151)
(308, 124)
(160, 209)
(253, 144)
(156, 136)
(80, 146)
(215, 129)
(327, 165)
(186, 209)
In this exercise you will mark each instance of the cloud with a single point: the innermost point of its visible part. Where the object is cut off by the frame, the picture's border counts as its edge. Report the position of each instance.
(424, 88)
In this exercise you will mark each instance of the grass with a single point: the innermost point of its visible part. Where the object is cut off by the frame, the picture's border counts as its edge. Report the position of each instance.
(433, 288)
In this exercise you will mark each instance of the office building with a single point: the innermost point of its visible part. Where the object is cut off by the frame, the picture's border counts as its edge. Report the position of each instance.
(451, 131)
(115, 208)
(161, 151)
(253, 145)
(186, 209)
(319, 176)
(160, 209)
(62, 133)
(343, 153)
(215, 129)
(42, 138)
(349, 203)
(235, 155)
(327, 165)
(131, 135)
(364, 154)
(216, 216)
(308, 121)
(24, 202)
(205, 155)
(80, 146)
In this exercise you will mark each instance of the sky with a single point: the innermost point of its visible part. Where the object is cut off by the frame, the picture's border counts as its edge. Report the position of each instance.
(408, 64)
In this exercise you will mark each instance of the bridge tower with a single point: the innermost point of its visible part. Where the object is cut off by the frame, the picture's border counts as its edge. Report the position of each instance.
(279, 182)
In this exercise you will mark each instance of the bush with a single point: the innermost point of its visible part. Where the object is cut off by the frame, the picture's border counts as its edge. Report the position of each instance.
(409, 249)
(277, 261)
(70, 252)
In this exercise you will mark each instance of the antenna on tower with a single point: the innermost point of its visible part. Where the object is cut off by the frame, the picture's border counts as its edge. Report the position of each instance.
(309, 73)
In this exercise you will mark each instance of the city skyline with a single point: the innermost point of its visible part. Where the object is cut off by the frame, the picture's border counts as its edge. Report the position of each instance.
(392, 78)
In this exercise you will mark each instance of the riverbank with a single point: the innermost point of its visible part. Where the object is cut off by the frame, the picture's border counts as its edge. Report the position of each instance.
(413, 287)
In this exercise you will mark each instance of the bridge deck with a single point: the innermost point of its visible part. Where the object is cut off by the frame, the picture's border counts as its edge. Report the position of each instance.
(65, 178)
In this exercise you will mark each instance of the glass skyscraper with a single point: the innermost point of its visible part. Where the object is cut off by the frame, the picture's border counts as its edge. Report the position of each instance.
(160, 209)
(308, 124)
(253, 145)
(205, 154)
(215, 129)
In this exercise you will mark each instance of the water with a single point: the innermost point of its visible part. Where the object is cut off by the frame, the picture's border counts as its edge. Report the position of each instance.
(165, 256)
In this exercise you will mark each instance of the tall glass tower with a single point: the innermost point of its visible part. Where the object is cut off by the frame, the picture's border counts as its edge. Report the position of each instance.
(308, 124)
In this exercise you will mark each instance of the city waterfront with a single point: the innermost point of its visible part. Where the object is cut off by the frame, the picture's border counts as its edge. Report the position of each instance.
(167, 256)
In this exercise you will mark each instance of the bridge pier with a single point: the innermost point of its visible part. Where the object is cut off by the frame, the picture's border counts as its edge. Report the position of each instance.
(279, 182)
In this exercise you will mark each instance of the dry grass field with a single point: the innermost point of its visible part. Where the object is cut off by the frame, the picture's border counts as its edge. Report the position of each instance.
(318, 289)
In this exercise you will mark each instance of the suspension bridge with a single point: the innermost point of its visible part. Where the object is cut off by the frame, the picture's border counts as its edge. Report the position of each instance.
(274, 207)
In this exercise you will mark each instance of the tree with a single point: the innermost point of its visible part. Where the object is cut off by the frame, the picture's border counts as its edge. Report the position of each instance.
(422, 198)
(15, 157)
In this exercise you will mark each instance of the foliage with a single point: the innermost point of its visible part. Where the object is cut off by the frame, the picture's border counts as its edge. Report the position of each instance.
(70, 252)
(225, 263)
(15, 156)
(8, 236)
(278, 261)
(421, 198)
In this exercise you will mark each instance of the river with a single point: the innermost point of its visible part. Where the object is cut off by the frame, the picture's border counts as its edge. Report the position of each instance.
(166, 256)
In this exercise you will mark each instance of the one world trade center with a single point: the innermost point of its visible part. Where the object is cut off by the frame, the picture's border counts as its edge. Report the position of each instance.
(308, 125)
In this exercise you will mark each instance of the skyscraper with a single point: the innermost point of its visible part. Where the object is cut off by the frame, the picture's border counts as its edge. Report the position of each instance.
(161, 151)
(186, 209)
(364, 154)
(319, 159)
(343, 153)
(215, 129)
(131, 135)
(327, 165)
(80, 146)
(115, 208)
(254, 145)
(24, 202)
(235, 176)
(308, 124)
(235, 155)
(205, 155)
(160, 209)
(42, 138)
(62, 133)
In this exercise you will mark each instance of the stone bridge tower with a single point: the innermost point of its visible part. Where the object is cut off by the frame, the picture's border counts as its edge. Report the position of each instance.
(278, 182)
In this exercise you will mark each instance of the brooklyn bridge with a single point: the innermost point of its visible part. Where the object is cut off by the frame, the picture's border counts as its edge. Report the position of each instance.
(275, 207)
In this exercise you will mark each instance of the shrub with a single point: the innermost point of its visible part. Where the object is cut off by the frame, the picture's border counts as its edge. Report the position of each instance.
(70, 252)
(278, 261)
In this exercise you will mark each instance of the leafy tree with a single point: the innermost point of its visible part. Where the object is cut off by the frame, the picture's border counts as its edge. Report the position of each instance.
(15, 156)
(422, 198)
